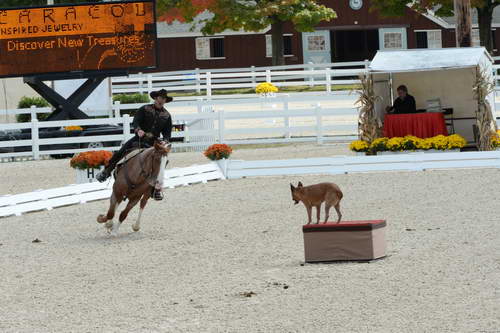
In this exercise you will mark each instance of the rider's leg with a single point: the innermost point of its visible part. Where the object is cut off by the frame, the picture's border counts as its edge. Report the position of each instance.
(117, 156)
(158, 195)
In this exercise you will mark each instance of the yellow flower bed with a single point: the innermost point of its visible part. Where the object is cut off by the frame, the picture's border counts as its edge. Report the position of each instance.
(409, 143)
(395, 144)
(495, 140)
(266, 87)
(359, 146)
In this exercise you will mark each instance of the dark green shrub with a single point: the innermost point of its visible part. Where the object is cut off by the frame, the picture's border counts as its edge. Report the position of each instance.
(27, 102)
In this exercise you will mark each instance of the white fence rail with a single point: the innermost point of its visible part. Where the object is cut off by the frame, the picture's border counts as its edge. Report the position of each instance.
(273, 122)
(19, 204)
(329, 74)
(232, 169)
(352, 164)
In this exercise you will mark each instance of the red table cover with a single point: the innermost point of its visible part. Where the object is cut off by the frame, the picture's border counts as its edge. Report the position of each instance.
(421, 125)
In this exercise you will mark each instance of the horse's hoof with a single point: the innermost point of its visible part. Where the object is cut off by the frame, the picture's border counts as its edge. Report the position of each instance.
(136, 228)
(109, 225)
(101, 218)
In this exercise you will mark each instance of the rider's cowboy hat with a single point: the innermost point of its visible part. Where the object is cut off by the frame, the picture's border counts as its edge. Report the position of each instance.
(161, 93)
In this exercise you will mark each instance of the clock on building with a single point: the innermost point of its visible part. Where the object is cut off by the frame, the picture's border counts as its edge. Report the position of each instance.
(356, 4)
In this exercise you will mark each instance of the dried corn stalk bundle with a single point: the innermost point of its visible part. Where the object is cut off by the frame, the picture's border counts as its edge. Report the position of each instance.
(369, 126)
(485, 122)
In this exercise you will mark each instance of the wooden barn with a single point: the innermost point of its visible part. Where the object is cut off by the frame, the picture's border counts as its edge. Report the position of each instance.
(355, 35)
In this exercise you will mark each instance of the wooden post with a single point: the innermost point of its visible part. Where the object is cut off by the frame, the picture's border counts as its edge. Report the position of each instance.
(116, 109)
(221, 126)
(208, 84)
(126, 128)
(35, 143)
(463, 29)
(288, 134)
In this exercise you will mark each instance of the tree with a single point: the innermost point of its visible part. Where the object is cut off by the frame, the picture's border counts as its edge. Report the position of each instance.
(444, 8)
(253, 15)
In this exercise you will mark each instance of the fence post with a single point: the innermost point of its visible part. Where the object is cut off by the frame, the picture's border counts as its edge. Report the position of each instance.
(126, 127)
(253, 75)
(150, 83)
(287, 117)
(268, 75)
(116, 109)
(221, 126)
(319, 124)
(311, 75)
(367, 65)
(198, 81)
(328, 74)
(141, 84)
(33, 112)
(209, 85)
(35, 139)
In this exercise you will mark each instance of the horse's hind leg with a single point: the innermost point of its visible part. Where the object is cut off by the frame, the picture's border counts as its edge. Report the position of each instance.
(137, 225)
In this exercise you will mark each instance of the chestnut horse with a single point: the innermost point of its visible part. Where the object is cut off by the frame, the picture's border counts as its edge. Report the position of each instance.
(135, 180)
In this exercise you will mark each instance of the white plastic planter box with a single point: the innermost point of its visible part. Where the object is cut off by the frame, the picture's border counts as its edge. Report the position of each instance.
(87, 175)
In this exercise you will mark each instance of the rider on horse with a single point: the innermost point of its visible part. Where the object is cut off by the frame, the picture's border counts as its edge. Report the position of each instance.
(149, 121)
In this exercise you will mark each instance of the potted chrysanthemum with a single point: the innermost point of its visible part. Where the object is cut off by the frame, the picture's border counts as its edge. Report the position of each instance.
(88, 164)
(219, 153)
(266, 89)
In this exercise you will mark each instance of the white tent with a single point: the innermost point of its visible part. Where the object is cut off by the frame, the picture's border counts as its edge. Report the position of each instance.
(447, 74)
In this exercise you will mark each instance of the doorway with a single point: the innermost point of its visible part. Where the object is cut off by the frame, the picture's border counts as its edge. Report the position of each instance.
(354, 45)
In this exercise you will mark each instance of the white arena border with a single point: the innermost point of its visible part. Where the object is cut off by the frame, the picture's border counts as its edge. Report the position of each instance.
(417, 161)
(233, 169)
(81, 193)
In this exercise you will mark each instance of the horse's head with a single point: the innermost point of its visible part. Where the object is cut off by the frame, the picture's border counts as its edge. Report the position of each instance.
(162, 147)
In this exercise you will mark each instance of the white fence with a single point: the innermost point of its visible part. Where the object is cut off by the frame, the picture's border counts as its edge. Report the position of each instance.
(210, 80)
(19, 204)
(232, 169)
(328, 74)
(352, 164)
(273, 122)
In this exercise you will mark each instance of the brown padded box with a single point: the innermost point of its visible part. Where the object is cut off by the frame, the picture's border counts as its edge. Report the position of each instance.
(348, 240)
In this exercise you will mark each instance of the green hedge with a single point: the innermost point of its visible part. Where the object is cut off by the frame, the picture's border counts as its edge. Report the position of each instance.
(27, 102)
(131, 99)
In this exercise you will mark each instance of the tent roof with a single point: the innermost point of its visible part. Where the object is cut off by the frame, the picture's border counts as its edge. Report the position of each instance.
(428, 59)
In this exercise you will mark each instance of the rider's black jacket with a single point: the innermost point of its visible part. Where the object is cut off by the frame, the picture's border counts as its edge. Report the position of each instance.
(154, 121)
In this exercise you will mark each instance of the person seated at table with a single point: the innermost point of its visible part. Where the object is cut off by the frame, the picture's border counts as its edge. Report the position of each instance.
(405, 103)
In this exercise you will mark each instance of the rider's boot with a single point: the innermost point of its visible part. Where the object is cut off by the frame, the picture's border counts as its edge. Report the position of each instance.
(103, 175)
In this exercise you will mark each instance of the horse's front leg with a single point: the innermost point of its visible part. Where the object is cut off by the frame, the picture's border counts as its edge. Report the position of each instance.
(108, 218)
(123, 215)
(137, 225)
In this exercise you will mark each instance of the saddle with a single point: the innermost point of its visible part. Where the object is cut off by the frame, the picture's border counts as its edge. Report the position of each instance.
(130, 155)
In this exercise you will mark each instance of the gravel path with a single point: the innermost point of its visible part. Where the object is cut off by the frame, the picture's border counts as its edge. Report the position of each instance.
(205, 246)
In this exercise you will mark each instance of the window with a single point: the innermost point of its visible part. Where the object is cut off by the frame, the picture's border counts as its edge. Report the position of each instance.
(287, 46)
(429, 39)
(393, 40)
(316, 43)
(209, 48)
(476, 41)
